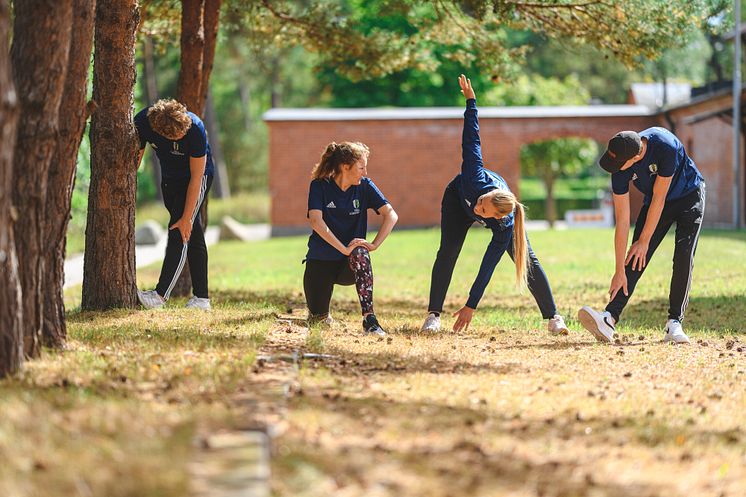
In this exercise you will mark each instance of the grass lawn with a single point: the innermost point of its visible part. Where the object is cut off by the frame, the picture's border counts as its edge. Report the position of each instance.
(501, 409)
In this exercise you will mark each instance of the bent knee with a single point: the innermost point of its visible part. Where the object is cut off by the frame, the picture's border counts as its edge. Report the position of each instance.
(359, 251)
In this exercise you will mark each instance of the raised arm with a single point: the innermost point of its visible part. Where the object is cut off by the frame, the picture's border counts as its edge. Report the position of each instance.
(471, 147)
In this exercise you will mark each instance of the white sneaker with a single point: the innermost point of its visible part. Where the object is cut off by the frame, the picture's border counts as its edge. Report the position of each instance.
(675, 333)
(557, 326)
(601, 324)
(431, 324)
(198, 303)
(150, 299)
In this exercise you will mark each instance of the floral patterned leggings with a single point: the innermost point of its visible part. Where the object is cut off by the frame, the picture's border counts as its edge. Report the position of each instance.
(321, 276)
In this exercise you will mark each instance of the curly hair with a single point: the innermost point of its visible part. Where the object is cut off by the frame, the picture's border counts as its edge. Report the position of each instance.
(337, 154)
(169, 118)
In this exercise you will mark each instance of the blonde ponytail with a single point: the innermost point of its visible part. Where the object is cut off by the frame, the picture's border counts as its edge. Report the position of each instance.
(506, 202)
(520, 247)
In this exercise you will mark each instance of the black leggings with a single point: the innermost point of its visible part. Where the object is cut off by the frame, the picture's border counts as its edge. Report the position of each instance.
(177, 252)
(321, 276)
(687, 213)
(454, 226)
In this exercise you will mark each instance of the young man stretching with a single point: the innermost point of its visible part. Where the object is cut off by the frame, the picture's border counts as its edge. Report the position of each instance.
(179, 140)
(656, 162)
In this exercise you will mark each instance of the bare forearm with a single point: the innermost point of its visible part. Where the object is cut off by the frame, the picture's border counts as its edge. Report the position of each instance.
(388, 224)
(192, 197)
(621, 237)
(320, 227)
(653, 217)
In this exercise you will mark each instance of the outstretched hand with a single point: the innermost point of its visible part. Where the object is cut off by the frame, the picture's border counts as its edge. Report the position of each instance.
(463, 318)
(466, 89)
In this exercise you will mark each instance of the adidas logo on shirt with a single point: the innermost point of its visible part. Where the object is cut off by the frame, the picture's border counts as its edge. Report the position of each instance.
(331, 205)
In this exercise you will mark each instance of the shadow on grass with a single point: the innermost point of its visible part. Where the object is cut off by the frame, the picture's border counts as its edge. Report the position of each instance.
(458, 459)
(721, 315)
(345, 365)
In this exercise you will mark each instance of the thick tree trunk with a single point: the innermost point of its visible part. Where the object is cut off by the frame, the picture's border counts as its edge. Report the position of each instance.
(109, 267)
(41, 44)
(74, 113)
(189, 90)
(151, 94)
(549, 205)
(11, 311)
(221, 188)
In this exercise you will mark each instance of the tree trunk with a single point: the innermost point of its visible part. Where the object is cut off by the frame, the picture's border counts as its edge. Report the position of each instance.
(41, 45)
(189, 91)
(211, 20)
(11, 311)
(74, 113)
(549, 205)
(221, 187)
(199, 29)
(275, 99)
(109, 266)
(151, 95)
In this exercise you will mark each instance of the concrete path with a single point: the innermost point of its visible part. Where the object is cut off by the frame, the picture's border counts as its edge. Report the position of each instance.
(144, 256)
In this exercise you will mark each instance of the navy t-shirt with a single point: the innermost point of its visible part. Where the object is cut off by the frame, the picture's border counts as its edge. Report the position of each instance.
(344, 212)
(665, 156)
(174, 155)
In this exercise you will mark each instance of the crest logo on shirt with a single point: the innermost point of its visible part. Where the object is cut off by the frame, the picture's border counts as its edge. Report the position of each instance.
(331, 205)
(634, 177)
(356, 203)
(653, 169)
(175, 149)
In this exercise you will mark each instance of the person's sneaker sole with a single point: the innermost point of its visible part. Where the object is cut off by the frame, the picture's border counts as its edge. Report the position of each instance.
(669, 339)
(586, 319)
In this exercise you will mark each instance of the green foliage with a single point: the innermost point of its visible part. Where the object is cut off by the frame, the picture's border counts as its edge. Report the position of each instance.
(550, 159)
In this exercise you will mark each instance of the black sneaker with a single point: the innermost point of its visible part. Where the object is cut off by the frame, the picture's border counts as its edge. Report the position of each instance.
(371, 326)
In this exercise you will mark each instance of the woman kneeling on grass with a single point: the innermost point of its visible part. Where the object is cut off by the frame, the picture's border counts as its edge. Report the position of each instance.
(478, 194)
(338, 253)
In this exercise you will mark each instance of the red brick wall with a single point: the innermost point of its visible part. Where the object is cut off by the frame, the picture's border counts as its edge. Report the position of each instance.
(411, 160)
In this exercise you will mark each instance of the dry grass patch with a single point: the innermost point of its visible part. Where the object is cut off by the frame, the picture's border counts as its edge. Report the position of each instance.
(117, 414)
(499, 412)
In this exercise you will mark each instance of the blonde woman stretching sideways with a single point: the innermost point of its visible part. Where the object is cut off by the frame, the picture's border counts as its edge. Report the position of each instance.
(478, 194)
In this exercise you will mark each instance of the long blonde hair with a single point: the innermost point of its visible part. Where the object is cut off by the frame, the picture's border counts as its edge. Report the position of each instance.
(506, 202)
(336, 155)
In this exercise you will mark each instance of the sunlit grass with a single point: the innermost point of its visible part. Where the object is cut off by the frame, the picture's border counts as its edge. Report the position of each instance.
(501, 409)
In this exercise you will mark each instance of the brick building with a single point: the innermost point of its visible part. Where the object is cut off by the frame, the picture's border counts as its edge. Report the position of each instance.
(415, 152)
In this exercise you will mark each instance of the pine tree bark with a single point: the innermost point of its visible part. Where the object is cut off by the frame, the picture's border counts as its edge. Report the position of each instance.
(73, 117)
(41, 45)
(11, 311)
(199, 30)
(109, 265)
(189, 89)
(211, 21)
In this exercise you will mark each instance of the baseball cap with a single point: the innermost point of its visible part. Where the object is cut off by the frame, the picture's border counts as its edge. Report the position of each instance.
(622, 147)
